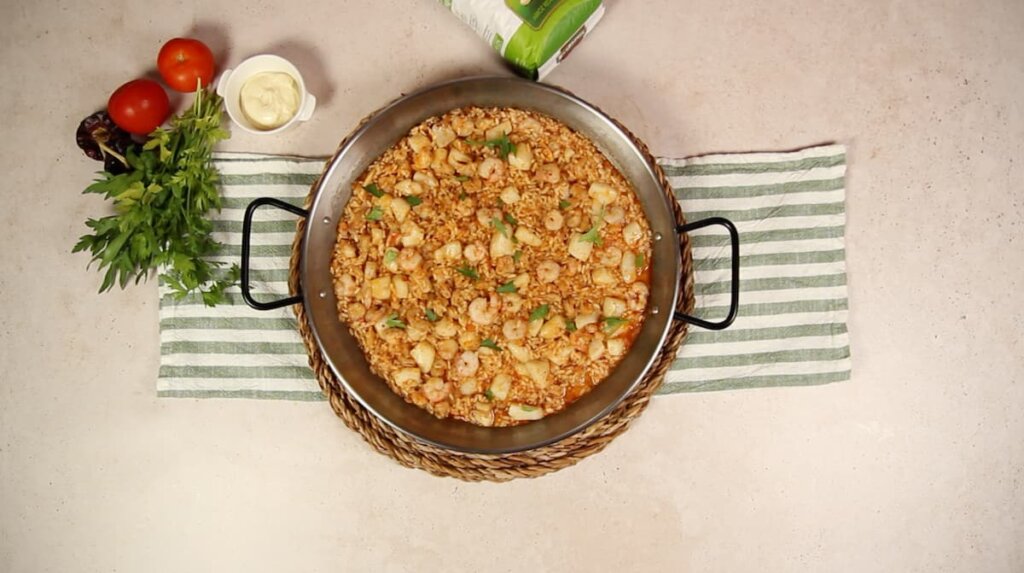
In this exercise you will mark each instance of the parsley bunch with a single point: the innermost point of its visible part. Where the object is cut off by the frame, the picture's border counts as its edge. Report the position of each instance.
(160, 207)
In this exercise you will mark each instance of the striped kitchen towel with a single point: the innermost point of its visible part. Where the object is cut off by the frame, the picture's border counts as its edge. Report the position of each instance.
(790, 211)
(791, 330)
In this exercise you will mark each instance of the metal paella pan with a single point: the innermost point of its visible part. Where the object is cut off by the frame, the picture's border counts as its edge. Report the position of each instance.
(333, 190)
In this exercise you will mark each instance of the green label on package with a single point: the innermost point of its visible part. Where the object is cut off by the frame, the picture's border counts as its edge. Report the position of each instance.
(532, 35)
(533, 12)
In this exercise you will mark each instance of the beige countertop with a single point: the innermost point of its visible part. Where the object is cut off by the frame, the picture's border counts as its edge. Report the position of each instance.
(913, 465)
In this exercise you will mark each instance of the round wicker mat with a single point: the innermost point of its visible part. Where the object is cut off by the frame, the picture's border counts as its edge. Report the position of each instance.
(476, 467)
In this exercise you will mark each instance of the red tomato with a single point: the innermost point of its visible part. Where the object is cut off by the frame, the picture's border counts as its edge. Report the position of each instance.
(139, 106)
(184, 62)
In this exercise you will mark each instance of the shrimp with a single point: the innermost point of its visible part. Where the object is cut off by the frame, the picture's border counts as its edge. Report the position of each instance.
(346, 249)
(346, 286)
(548, 271)
(447, 349)
(474, 252)
(553, 220)
(548, 173)
(442, 134)
(491, 169)
(513, 302)
(615, 215)
(483, 311)
(436, 389)
(467, 364)
(505, 266)
(485, 215)
(463, 125)
(469, 340)
(636, 297)
(482, 414)
(514, 329)
(610, 257)
(409, 260)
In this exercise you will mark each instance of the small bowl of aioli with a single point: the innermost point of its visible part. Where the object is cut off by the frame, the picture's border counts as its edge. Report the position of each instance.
(265, 94)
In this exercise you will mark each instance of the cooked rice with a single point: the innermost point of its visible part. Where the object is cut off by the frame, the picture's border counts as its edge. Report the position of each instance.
(449, 246)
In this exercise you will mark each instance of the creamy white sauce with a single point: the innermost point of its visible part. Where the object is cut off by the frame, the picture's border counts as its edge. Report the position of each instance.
(269, 99)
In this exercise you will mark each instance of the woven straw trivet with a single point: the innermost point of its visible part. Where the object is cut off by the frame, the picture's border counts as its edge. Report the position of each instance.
(477, 467)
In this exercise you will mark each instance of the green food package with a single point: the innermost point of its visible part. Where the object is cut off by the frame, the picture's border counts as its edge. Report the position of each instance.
(532, 35)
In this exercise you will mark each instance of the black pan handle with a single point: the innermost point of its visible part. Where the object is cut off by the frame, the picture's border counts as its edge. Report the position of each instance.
(246, 236)
(734, 301)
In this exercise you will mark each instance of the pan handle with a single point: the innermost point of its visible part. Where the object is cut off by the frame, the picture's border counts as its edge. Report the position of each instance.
(246, 240)
(734, 300)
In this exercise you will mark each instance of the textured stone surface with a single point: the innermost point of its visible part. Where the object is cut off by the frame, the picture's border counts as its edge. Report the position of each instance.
(915, 464)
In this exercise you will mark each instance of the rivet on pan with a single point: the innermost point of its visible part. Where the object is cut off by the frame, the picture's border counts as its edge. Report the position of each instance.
(657, 236)
(327, 220)
(323, 294)
(655, 310)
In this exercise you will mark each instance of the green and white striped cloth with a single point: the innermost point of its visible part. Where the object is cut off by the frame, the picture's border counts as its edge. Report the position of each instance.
(791, 330)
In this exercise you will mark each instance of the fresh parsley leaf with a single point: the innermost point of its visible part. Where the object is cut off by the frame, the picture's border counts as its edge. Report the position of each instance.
(539, 312)
(592, 236)
(570, 325)
(468, 271)
(462, 196)
(431, 315)
(488, 343)
(413, 200)
(462, 178)
(517, 255)
(612, 323)
(502, 145)
(394, 322)
(507, 288)
(496, 222)
(563, 204)
(488, 394)
(639, 260)
(390, 256)
(511, 220)
(374, 214)
(372, 189)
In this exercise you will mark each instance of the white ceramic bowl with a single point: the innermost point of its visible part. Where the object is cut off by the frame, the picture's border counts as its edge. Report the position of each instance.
(231, 81)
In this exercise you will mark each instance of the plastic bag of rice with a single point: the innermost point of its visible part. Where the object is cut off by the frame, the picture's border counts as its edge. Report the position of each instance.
(532, 35)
